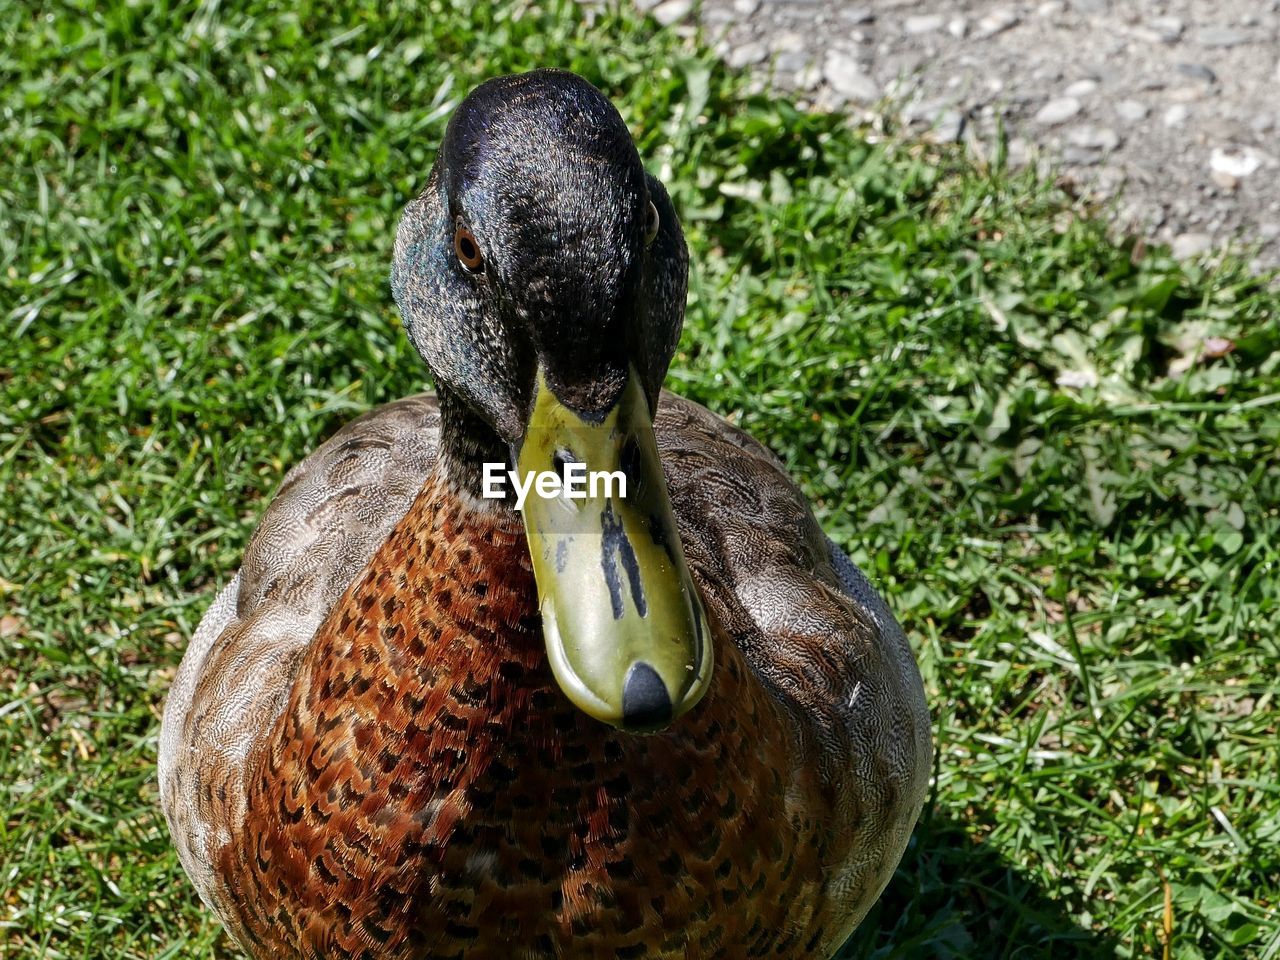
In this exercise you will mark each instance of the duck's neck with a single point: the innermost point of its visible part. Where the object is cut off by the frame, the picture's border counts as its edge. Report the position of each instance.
(467, 443)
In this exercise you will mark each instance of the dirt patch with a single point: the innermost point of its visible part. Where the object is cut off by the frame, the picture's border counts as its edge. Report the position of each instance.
(1171, 109)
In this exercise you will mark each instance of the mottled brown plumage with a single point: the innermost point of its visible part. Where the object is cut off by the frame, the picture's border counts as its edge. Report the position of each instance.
(365, 753)
(490, 813)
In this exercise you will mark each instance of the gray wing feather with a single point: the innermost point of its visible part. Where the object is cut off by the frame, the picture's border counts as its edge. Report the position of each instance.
(858, 588)
(812, 626)
(333, 510)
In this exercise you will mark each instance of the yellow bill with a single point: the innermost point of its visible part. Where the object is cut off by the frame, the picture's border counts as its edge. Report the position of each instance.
(626, 634)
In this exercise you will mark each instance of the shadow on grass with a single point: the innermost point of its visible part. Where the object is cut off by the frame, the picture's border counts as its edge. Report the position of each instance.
(955, 898)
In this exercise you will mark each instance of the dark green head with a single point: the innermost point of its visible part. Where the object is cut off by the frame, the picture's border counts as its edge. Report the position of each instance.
(534, 244)
(541, 274)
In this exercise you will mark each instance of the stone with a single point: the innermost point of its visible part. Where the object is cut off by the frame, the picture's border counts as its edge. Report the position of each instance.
(672, 11)
(923, 23)
(1094, 138)
(958, 27)
(1167, 29)
(918, 112)
(746, 54)
(1176, 115)
(847, 78)
(793, 61)
(857, 15)
(997, 21)
(1019, 153)
(1197, 71)
(1080, 156)
(1235, 162)
(1132, 111)
(938, 119)
(1106, 181)
(1186, 245)
(745, 8)
(789, 42)
(808, 77)
(1081, 88)
(1191, 93)
(1058, 110)
(1221, 37)
(948, 127)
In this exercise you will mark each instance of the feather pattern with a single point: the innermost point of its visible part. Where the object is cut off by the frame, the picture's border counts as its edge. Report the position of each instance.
(365, 755)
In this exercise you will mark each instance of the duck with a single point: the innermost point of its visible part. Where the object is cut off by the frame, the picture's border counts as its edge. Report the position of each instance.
(661, 715)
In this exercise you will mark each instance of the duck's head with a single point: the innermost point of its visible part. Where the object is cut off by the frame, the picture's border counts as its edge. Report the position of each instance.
(541, 275)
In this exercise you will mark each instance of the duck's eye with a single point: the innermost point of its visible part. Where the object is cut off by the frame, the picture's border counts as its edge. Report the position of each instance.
(651, 225)
(468, 251)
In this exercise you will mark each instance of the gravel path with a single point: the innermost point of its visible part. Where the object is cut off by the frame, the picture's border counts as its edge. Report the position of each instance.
(1171, 105)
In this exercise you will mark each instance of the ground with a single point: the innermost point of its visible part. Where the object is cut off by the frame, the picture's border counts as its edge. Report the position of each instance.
(1165, 111)
(1054, 451)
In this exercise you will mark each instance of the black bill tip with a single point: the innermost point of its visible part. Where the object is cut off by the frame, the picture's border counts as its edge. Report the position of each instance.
(646, 705)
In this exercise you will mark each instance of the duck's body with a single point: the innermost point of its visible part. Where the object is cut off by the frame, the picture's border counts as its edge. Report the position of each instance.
(367, 754)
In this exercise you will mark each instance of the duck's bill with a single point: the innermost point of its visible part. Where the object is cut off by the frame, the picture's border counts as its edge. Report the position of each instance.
(625, 630)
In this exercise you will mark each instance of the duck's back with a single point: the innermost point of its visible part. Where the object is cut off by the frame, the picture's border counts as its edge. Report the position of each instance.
(827, 653)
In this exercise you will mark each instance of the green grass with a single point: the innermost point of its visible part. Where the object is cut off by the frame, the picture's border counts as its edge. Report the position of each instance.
(197, 204)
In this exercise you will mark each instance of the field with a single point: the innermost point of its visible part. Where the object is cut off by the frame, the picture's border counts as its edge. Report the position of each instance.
(1055, 451)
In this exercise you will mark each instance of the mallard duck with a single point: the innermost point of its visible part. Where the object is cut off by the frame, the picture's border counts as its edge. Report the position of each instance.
(665, 718)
